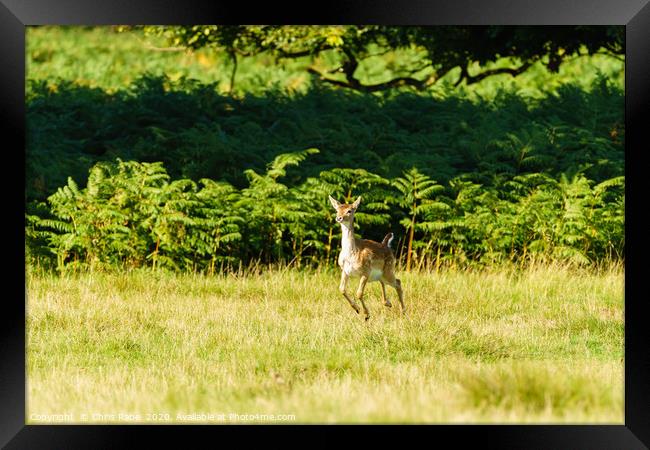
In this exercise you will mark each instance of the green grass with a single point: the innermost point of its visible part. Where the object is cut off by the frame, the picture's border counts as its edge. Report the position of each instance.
(102, 57)
(543, 345)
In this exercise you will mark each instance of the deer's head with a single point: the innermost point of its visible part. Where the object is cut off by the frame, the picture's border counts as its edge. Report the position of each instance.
(345, 212)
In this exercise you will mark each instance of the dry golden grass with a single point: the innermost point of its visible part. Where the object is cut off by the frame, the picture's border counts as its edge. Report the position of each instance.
(542, 345)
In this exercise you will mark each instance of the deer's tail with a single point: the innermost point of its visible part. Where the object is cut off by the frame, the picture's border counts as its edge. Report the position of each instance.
(388, 239)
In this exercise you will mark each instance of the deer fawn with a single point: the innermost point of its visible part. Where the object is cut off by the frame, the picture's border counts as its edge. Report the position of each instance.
(372, 261)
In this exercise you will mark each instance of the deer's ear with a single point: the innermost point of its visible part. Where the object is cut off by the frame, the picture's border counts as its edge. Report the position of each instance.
(355, 205)
(334, 203)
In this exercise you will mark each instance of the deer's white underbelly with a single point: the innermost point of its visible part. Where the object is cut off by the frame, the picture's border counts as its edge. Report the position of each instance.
(350, 270)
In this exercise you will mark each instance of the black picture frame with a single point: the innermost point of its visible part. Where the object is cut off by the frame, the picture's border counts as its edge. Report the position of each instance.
(634, 14)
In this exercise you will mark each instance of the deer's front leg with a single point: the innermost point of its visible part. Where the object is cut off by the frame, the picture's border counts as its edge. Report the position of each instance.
(342, 288)
(362, 286)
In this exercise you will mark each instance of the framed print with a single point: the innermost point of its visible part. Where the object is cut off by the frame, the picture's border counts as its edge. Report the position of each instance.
(413, 216)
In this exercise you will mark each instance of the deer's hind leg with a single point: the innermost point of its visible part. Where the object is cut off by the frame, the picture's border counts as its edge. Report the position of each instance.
(342, 288)
(400, 294)
(390, 279)
(383, 294)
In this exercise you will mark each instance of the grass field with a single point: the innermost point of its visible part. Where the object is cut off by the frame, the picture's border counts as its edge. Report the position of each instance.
(543, 345)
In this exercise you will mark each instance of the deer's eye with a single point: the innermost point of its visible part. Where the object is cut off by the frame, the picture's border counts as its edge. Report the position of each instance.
(349, 212)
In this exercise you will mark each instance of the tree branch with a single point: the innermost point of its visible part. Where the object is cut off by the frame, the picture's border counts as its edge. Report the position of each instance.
(322, 77)
(395, 82)
(299, 54)
(463, 75)
(488, 73)
(283, 54)
(350, 66)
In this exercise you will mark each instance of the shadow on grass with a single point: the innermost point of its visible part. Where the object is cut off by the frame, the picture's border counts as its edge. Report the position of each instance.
(197, 132)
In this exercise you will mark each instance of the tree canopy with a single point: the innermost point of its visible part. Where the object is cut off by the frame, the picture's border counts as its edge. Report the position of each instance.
(336, 53)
